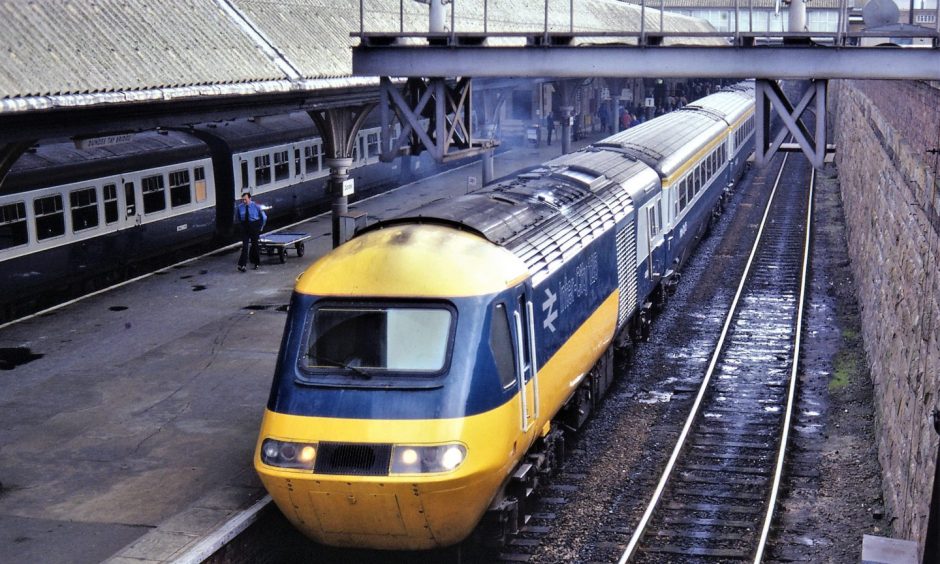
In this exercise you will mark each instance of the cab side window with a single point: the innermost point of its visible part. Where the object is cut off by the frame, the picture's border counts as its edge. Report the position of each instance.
(501, 346)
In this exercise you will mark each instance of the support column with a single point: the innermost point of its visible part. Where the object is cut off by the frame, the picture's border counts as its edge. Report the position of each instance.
(339, 173)
(566, 113)
(488, 162)
(338, 128)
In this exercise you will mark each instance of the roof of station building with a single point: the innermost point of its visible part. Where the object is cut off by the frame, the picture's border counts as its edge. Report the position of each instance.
(80, 52)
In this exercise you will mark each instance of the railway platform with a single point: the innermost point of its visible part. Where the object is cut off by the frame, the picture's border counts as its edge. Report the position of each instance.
(128, 419)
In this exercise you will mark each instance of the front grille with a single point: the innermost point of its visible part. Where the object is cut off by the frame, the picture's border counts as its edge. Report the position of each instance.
(353, 459)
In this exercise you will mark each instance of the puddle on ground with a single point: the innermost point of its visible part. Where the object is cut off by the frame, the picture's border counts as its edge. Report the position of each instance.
(654, 397)
(12, 357)
(186, 276)
(117, 308)
(198, 287)
(256, 307)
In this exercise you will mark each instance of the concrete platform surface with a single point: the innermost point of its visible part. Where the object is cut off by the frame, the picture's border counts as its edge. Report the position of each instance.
(129, 435)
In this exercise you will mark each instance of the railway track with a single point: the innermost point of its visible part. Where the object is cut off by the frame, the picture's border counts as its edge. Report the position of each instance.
(716, 497)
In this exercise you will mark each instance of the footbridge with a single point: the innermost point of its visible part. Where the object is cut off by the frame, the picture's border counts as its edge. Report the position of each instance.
(465, 38)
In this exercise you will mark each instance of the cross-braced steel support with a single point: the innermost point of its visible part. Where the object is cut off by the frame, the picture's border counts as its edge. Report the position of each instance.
(434, 115)
(771, 97)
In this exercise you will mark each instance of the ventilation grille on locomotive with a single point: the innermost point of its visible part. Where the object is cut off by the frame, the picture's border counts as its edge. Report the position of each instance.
(353, 459)
(626, 272)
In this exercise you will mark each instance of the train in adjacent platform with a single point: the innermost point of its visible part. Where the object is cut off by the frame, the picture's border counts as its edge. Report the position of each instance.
(73, 218)
(429, 366)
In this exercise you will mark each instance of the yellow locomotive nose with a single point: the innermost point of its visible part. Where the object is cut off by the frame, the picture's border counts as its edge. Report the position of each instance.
(385, 494)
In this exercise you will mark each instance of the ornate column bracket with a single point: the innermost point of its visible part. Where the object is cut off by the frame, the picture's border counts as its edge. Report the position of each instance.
(9, 153)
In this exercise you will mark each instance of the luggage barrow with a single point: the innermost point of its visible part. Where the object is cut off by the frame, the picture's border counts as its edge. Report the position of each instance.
(279, 242)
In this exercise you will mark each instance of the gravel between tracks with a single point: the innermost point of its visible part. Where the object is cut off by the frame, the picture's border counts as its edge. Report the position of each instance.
(832, 491)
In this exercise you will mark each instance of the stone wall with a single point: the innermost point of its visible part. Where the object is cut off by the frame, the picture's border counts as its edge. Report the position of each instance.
(887, 136)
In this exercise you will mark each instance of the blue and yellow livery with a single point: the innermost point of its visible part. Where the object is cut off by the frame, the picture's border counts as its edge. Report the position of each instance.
(429, 364)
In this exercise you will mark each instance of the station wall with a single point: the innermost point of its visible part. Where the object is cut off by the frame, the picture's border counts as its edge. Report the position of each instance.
(888, 138)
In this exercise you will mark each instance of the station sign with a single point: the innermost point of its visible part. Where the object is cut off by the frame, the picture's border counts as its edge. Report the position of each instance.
(86, 143)
(349, 186)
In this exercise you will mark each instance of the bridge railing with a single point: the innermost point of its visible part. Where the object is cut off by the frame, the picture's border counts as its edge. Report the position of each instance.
(565, 22)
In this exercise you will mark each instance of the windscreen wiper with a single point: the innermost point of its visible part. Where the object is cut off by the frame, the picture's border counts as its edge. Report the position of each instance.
(346, 366)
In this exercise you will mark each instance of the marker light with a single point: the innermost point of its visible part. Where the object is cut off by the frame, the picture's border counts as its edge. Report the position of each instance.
(426, 459)
(285, 454)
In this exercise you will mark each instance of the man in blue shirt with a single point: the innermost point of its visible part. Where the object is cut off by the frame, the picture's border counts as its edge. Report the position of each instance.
(252, 219)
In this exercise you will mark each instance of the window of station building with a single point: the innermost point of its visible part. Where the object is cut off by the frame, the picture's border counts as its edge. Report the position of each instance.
(110, 203)
(262, 170)
(180, 193)
(199, 179)
(84, 205)
(501, 346)
(372, 144)
(153, 189)
(281, 166)
(50, 219)
(13, 230)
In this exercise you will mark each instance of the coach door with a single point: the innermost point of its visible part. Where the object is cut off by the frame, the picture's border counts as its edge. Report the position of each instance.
(526, 365)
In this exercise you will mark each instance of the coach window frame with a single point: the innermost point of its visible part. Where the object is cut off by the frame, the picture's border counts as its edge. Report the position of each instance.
(14, 229)
(83, 208)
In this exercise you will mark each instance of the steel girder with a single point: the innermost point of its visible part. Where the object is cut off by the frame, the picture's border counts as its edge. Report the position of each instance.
(446, 105)
(770, 96)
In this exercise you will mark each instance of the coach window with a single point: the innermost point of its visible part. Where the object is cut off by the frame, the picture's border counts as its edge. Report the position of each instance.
(199, 178)
(262, 170)
(244, 168)
(180, 193)
(501, 346)
(110, 203)
(50, 219)
(13, 231)
(683, 196)
(281, 166)
(297, 162)
(84, 204)
(154, 197)
(654, 225)
(130, 199)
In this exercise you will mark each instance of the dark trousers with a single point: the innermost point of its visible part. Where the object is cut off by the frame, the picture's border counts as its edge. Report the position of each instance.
(250, 234)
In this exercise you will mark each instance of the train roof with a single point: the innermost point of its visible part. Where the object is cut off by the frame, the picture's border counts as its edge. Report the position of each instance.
(546, 215)
(730, 104)
(241, 134)
(61, 161)
(669, 141)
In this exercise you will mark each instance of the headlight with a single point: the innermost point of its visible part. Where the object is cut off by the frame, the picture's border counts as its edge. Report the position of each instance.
(426, 459)
(285, 454)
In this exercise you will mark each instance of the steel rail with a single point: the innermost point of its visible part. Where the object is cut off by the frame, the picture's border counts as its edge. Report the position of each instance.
(791, 392)
(693, 414)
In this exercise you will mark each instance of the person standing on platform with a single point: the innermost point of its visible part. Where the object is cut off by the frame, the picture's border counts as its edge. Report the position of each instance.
(252, 219)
